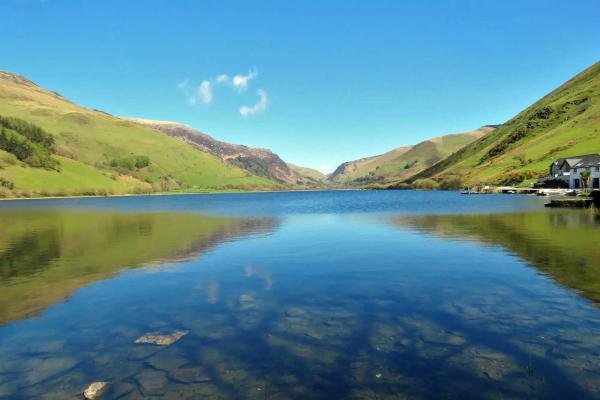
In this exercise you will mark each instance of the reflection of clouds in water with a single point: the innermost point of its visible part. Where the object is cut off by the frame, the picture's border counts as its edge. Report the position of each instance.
(154, 268)
(212, 292)
(250, 272)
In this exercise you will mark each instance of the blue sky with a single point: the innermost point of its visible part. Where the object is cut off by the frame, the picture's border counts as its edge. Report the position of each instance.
(318, 82)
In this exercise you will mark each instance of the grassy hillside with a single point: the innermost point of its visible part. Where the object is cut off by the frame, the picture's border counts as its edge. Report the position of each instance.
(564, 123)
(404, 162)
(311, 175)
(104, 149)
(257, 161)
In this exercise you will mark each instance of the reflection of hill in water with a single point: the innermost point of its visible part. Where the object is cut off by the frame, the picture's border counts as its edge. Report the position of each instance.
(561, 244)
(45, 256)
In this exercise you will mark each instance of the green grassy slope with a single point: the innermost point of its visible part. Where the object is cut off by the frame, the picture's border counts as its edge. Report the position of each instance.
(566, 122)
(93, 140)
(404, 162)
(312, 175)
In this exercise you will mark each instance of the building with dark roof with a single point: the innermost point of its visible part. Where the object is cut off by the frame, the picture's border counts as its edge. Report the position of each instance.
(569, 170)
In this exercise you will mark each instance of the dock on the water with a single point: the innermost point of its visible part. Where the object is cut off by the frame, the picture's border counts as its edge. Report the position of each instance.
(570, 203)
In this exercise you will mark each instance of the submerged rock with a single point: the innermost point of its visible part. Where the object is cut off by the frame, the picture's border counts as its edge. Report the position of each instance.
(161, 339)
(246, 301)
(189, 375)
(294, 311)
(46, 368)
(94, 390)
(167, 360)
(152, 382)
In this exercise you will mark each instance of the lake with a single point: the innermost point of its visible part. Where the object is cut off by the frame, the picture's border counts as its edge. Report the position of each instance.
(308, 295)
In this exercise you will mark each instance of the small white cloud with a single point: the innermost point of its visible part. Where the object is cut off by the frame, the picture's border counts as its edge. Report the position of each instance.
(183, 85)
(326, 169)
(246, 111)
(205, 92)
(241, 81)
(223, 78)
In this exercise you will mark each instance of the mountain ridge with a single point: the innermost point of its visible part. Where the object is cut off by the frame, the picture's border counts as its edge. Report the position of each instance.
(405, 161)
(258, 161)
(565, 122)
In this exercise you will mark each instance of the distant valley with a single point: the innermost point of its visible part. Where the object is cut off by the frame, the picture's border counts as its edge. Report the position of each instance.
(50, 146)
(403, 162)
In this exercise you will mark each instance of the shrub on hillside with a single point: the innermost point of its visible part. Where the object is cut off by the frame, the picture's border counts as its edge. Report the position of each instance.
(32, 132)
(426, 184)
(451, 184)
(131, 163)
(399, 186)
(5, 183)
(27, 142)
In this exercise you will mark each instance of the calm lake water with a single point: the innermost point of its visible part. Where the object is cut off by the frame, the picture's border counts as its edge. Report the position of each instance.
(322, 295)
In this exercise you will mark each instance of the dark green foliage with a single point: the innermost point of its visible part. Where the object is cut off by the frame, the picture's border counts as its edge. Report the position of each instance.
(553, 184)
(451, 184)
(27, 142)
(32, 132)
(514, 178)
(5, 183)
(410, 164)
(131, 163)
(15, 144)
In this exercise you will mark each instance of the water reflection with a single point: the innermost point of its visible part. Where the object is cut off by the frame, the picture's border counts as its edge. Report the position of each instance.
(561, 244)
(325, 307)
(45, 256)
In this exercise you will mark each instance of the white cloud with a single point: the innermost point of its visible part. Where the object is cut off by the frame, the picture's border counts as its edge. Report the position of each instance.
(205, 92)
(326, 169)
(183, 85)
(246, 111)
(241, 81)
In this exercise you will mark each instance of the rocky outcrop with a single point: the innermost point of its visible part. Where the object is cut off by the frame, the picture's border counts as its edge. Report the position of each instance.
(259, 162)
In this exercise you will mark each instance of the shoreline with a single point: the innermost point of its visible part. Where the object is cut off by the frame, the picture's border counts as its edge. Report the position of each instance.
(174, 194)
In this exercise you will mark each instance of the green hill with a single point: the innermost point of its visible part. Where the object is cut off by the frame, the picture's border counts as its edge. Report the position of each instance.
(564, 123)
(92, 152)
(312, 176)
(403, 162)
(258, 162)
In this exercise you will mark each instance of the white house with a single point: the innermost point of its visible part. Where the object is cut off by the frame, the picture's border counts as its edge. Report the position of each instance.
(589, 163)
(569, 170)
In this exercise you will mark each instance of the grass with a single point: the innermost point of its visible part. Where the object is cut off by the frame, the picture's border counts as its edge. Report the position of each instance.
(564, 123)
(92, 140)
(73, 177)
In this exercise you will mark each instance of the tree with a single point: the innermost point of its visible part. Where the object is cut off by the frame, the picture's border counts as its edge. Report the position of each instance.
(585, 178)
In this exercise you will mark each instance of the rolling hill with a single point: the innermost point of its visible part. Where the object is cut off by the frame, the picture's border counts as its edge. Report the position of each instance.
(566, 122)
(403, 162)
(312, 176)
(93, 152)
(259, 162)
